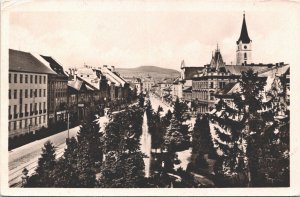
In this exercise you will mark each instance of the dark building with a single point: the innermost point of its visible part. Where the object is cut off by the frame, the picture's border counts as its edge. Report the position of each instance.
(57, 94)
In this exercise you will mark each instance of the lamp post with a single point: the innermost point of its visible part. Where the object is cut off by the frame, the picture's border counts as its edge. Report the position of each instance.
(68, 124)
(24, 177)
(29, 127)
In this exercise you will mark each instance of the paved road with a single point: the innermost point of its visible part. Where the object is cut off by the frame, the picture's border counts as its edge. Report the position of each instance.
(155, 101)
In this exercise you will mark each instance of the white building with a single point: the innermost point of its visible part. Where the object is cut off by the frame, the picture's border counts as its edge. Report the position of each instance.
(27, 93)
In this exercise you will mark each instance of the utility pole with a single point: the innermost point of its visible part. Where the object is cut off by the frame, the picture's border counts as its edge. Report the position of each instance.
(68, 124)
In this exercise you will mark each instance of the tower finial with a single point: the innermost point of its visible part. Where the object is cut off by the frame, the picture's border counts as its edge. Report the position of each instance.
(244, 13)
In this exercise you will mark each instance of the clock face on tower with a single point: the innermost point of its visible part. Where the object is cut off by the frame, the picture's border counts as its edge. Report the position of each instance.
(245, 47)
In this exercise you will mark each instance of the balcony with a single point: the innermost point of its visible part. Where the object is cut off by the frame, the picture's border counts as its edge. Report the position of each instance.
(31, 113)
(9, 116)
(26, 113)
(36, 112)
(45, 110)
(40, 111)
(15, 115)
(21, 115)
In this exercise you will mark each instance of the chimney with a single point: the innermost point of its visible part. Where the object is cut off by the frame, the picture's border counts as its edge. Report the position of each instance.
(112, 68)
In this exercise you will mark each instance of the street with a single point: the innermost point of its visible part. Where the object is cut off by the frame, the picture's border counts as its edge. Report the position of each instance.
(155, 102)
(27, 155)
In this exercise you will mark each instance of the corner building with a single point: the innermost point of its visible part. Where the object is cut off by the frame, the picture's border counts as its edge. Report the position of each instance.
(27, 93)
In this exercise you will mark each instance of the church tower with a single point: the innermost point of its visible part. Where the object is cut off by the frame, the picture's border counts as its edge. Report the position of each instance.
(244, 49)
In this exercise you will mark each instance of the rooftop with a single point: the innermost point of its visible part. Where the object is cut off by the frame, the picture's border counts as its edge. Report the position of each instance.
(21, 61)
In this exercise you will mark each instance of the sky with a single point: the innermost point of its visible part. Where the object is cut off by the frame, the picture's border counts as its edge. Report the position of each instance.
(160, 33)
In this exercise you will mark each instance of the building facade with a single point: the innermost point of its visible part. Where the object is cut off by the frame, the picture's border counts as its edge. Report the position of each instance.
(57, 93)
(28, 93)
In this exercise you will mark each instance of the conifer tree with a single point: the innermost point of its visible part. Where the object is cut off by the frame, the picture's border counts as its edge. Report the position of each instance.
(66, 173)
(46, 165)
(239, 130)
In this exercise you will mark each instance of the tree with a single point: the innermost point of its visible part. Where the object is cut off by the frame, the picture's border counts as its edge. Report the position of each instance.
(173, 139)
(89, 133)
(44, 176)
(123, 170)
(66, 172)
(179, 109)
(123, 165)
(141, 100)
(241, 131)
(202, 143)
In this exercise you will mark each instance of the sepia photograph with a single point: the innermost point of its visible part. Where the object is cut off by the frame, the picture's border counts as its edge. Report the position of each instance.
(151, 97)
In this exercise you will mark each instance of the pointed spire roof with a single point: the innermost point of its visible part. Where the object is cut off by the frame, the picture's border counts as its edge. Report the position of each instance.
(244, 37)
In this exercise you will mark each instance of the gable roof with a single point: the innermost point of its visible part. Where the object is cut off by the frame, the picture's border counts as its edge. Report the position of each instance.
(229, 88)
(55, 66)
(189, 72)
(238, 69)
(21, 61)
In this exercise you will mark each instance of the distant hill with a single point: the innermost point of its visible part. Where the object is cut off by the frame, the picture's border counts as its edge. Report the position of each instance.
(155, 72)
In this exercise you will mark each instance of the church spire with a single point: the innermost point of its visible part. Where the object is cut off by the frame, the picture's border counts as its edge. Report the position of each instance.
(244, 37)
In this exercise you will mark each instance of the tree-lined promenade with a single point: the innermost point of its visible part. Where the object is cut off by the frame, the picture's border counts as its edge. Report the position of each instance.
(241, 145)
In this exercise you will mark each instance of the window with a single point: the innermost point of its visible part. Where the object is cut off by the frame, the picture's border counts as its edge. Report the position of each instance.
(26, 78)
(245, 55)
(15, 125)
(25, 123)
(35, 120)
(9, 94)
(15, 109)
(35, 107)
(26, 108)
(9, 110)
(26, 93)
(30, 107)
(40, 92)
(44, 92)
(9, 78)
(20, 108)
(31, 78)
(35, 78)
(40, 121)
(31, 93)
(21, 78)
(40, 79)
(15, 94)
(40, 106)
(15, 78)
(30, 124)
(20, 126)
(211, 84)
(35, 93)
(44, 119)
(44, 105)
(21, 93)
(44, 79)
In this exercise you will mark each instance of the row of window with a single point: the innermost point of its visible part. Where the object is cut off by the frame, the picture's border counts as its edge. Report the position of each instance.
(203, 95)
(18, 78)
(33, 108)
(27, 123)
(199, 85)
(32, 93)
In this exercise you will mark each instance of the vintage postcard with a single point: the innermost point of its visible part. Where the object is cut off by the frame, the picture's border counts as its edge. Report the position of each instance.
(143, 97)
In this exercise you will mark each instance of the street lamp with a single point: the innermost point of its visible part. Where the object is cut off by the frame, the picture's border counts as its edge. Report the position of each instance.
(68, 125)
(29, 127)
(24, 177)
